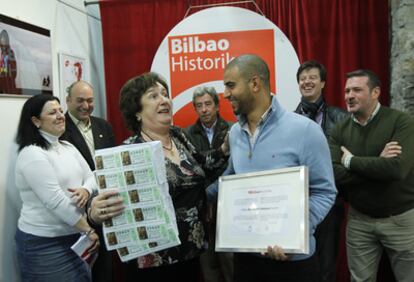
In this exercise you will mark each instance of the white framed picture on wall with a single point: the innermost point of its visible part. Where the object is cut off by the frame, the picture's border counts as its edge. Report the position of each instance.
(25, 58)
(71, 68)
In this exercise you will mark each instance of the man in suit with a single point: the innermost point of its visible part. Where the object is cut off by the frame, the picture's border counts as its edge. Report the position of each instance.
(88, 133)
(311, 78)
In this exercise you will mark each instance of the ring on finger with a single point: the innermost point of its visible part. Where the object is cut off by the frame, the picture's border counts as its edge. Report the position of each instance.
(103, 211)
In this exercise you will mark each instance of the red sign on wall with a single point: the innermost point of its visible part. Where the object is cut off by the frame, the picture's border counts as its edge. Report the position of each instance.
(200, 58)
(196, 51)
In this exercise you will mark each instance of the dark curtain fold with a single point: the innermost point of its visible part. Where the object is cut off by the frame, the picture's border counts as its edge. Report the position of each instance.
(344, 35)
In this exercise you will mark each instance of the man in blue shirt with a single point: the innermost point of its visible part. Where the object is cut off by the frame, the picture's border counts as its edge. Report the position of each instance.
(269, 137)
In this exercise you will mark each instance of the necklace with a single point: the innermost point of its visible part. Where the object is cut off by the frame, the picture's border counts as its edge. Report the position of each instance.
(165, 147)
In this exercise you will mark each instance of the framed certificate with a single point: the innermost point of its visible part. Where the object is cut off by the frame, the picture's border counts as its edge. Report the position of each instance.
(261, 209)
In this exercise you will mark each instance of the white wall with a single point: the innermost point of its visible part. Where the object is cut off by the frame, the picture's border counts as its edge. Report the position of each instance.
(72, 32)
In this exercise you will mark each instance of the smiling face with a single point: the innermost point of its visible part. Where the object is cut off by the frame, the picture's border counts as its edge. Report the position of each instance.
(237, 91)
(80, 101)
(310, 84)
(156, 110)
(206, 109)
(51, 119)
(360, 100)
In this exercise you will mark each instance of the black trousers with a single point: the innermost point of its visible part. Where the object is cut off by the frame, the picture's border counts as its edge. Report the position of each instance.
(252, 268)
(102, 270)
(186, 271)
(327, 241)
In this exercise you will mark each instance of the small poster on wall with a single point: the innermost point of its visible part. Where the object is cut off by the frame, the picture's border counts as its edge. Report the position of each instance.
(25, 58)
(71, 68)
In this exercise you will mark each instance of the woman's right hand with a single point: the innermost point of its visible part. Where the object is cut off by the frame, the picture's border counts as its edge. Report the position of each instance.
(95, 238)
(105, 205)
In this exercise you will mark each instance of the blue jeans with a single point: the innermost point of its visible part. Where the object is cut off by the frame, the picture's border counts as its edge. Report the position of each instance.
(49, 259)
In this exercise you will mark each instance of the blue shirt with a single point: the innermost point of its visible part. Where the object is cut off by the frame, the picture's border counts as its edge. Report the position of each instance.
(209, 131)
(286, 140)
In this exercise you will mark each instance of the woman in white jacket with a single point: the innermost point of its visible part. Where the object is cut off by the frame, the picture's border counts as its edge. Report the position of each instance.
(55, 183)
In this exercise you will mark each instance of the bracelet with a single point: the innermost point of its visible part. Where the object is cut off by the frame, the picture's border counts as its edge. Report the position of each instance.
(89, 232)
(89, 216)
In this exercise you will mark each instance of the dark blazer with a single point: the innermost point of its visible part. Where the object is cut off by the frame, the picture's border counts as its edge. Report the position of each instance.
(330, 116)
(103, 137)
(198, 137)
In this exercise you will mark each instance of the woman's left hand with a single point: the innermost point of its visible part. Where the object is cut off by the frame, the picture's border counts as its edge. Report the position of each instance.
(105, 205)
(81, 196)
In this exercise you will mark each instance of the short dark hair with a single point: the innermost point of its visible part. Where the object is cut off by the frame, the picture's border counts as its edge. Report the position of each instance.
(203, 90)
(131, 94)
(310, 65)
(250, 65)
(373, 80)
(27, 132)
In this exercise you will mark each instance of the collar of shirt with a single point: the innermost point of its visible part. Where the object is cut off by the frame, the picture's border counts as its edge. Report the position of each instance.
(82, 125)
(319, 117)
(52, 139)
(85, 128)
(209, 131)
(245, 126)
(374, 113)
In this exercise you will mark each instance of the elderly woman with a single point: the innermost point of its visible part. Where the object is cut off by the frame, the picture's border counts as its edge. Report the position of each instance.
(54, 182)
(147, 110)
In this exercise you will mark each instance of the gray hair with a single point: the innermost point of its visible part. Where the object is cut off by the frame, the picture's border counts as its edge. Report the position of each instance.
(202, 90)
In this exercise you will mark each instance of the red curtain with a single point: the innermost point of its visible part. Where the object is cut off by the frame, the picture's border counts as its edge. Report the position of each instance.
(344, 35)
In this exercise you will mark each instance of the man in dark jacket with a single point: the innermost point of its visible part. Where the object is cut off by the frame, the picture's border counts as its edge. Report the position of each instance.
(207, 133)
(311, 77)
(210, 129)
(88, 133)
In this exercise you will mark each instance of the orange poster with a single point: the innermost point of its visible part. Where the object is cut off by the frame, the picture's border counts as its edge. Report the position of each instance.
(195, 59)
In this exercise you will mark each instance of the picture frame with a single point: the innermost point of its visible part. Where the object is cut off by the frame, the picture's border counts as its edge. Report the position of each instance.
(260, 209)
(72, 68)
(25, 59)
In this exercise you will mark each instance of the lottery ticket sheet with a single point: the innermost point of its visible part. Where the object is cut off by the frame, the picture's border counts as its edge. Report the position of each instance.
(148, 222)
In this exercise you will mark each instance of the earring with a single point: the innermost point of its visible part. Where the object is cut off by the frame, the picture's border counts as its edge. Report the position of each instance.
(138, 118)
